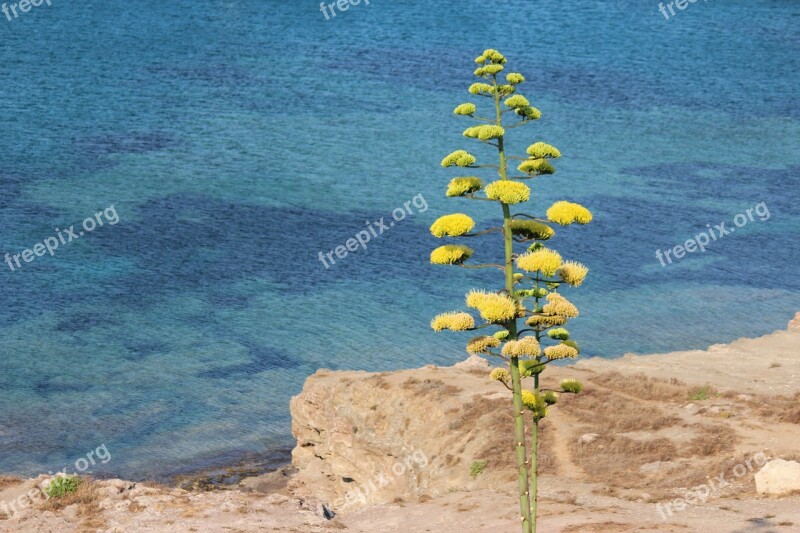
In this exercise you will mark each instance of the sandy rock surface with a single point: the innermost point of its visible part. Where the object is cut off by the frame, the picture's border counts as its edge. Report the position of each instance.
(778, 477)
(646, 447)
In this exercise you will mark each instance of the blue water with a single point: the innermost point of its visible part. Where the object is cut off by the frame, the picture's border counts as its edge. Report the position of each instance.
(236, 140)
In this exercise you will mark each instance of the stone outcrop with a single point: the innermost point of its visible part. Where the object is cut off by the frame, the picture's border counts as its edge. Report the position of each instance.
(794, 324)
(367, 438)
(778, 477)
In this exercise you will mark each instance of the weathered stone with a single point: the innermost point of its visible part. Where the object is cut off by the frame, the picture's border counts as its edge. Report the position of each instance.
(778, 477)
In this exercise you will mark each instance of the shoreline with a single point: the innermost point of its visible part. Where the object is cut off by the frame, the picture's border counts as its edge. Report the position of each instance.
(662, 422)
(214, 471)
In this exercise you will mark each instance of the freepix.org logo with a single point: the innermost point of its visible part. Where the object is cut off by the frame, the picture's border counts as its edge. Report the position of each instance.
(23, 6)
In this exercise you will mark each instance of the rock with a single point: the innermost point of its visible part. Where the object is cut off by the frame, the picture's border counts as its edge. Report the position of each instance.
(588, 438)
(269, 482)
(778, 477)
(658, 467)
(744, 397)
(325, 512)
(692, 408)
(371, 438)
(794, 324)
(473, 362)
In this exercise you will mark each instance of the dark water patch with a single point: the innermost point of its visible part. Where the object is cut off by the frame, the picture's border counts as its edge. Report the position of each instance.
(263, 358)
(82, 322)
(229, 300)
(10, 188)
(141, 350)
(620, 246)
(24, 221)
(124, 143)
(211, 74)
(196, 242)
(49, 387)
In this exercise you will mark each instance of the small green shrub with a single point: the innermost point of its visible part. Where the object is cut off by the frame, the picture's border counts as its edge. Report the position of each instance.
(477, 468)
(61, 485)
(702, 393)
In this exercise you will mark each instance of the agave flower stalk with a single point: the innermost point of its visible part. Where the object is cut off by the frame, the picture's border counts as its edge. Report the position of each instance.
(534, 276)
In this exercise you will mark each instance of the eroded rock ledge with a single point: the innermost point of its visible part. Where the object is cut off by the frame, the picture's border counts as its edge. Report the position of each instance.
(372, 438)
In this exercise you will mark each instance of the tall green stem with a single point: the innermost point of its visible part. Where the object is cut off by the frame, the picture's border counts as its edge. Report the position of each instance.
(516, 381)
(535, 443)
(534, 470)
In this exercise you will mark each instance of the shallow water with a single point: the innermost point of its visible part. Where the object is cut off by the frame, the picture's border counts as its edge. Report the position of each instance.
(237, 140)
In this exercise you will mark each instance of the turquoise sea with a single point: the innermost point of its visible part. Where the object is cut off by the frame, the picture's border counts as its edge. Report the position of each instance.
(238, 139)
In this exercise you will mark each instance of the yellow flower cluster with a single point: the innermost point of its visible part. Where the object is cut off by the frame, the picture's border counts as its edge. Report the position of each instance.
(565, 213)
(453, 225)
(535, 403)
(536, 166)
(560, 351)
(571, 385)
(573, 273)
(459, 158)
(515, 78)
(531, 229)
(530, 367)
(482, 344)
(505, 90)
(544, 321)
(465, 109)
(451, 254)
(484, 132)
(492, 307)
(488, 70)
(525, 347)
(550, 397)
(454, 321)
(500, 374)
(508, 192)
(542, 260)
(480, 88)
(517, 101)
(540, 150)
(464, 185)
(560, 306)
(528, 113)
(559, 334)
(490, 54)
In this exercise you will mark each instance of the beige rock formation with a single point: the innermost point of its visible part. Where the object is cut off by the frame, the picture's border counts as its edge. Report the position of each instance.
(373, 438)
(420, 450)
(778, 477)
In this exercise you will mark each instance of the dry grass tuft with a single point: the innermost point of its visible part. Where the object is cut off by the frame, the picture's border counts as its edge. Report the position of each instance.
(615, 460)
(643, 387)
(88, 501)
(8, 481)
(495, 419)
(712, 440)
(777, 408)
(611, 412)
(136, 507)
